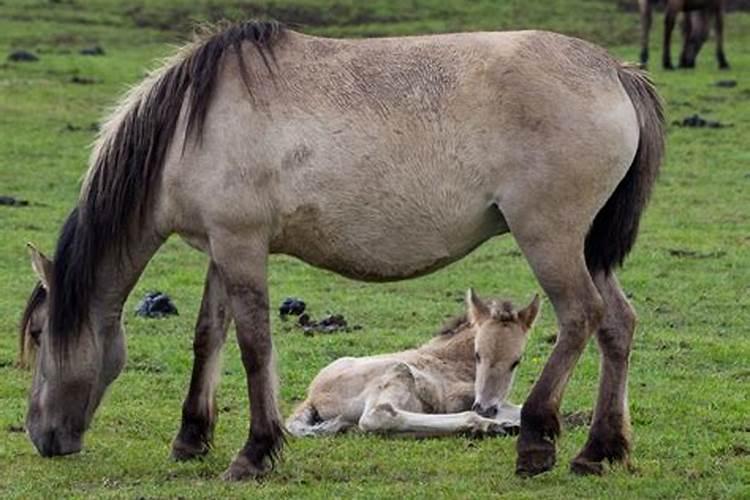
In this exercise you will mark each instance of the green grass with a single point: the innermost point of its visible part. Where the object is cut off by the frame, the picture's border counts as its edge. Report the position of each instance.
(689, 278)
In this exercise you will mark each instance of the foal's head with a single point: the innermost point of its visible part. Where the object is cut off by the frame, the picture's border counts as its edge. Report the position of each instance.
(63, 396)
(500, 338)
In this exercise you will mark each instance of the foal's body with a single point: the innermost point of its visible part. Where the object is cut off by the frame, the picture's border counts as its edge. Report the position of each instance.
(379, 159)
(457, 382)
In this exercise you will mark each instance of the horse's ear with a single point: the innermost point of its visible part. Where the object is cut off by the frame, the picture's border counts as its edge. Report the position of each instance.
(41, 265)
(476, 310)
(530, 313)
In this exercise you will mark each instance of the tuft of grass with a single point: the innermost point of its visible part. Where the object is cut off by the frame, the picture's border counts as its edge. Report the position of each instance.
(689, 278)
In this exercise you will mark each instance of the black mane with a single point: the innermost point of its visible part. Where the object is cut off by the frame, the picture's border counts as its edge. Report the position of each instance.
(116, 200)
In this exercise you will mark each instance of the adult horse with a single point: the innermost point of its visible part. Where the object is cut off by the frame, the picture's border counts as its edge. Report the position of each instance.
(379, 159)
(698, 14)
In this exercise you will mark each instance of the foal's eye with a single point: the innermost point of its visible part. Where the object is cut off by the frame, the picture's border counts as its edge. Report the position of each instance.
(476, 357)
(515, 364)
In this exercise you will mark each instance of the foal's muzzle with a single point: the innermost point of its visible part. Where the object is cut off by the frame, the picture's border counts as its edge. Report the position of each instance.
(488, 412)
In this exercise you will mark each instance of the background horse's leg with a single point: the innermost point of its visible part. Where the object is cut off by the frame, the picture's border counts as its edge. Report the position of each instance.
(670, 17)
(610, 431)
(242, 262)
(646, 17)
(558, 263)
(720, 57)
(199, 409)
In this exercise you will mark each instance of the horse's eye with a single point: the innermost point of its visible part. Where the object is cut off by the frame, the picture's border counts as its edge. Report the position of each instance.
(515, 364)
(476, 357)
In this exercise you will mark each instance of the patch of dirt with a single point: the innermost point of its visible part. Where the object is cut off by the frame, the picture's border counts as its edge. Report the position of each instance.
(95, 50)
(726, 84)
(83, 80)
(22, 56)
(16, 428)
(577, 418)
(685, 253)
(740, 450)
(10, 201)
(92, 127)
(697, 121)
(331, 323)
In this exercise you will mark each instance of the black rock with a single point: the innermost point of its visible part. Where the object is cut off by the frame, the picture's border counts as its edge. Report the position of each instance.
(22, 56)
(292, 307)
(156, 305)
(96, 50)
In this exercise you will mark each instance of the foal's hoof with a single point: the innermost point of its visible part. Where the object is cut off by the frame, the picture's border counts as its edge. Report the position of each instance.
(584, 467)
(182, 451)
(535, 459)
(241, 470)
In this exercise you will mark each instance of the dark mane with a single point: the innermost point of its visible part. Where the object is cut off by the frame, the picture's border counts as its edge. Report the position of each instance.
(453, 326)
(116, 198)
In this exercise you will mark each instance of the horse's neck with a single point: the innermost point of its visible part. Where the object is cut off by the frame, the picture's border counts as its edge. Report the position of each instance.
(117, 275)
(454, 355)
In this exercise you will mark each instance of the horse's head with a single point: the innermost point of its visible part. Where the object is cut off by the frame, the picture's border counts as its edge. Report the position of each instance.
(67, 388)
(501, 333)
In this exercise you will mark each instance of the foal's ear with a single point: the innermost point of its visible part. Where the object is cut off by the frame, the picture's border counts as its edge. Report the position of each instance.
(476, 310)
(41, 265)
(530, 313)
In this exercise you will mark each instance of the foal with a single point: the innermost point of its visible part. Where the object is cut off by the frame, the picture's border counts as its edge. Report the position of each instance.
(428, 391)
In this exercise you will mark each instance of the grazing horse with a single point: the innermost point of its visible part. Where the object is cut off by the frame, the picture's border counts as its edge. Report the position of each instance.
(698, 14)
(457, 382)
(380, 159)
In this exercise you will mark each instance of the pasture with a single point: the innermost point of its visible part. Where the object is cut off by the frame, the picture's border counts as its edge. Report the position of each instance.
(688, 277)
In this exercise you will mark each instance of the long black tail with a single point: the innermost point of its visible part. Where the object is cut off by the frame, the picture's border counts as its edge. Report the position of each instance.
(615, 228)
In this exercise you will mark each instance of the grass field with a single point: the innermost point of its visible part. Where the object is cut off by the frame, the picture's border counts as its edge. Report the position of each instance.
(689, 278)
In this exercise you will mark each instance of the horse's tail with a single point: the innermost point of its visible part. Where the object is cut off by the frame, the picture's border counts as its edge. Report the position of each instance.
(615, 227)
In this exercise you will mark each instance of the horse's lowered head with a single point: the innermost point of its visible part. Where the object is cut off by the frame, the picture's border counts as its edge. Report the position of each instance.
(499, 342)
(69, 380)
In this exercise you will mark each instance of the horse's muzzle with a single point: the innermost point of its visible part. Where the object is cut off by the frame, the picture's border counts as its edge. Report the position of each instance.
(488, 412)
(52, 444)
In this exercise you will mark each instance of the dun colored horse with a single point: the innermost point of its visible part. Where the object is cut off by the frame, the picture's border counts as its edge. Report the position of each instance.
(458, 382)
(698, 14)
(380, 159)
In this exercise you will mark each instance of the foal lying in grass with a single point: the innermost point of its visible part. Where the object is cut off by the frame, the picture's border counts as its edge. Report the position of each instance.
(458, 382)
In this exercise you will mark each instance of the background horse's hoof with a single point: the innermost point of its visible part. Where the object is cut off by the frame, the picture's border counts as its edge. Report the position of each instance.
(584, 467)
(536, 460)
(242, 470)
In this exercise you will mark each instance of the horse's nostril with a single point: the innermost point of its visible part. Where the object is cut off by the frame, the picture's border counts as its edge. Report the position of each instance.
(476, 408)
(488, 412)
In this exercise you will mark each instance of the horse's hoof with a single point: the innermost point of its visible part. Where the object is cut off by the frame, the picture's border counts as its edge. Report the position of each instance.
(535, 460)
(182, 451)
(242, 470)
(584, 467)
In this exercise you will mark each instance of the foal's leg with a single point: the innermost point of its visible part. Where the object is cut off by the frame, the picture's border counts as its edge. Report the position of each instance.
(610, 431)
(242, 262)
(646, 17)
(670, 17)
(558, 263)
(720, 57)
(199, 410)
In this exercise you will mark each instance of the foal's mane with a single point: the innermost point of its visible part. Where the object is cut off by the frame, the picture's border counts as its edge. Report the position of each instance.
(128, 159)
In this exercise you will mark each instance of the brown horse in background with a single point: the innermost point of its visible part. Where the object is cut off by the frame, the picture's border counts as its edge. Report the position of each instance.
(698, 15)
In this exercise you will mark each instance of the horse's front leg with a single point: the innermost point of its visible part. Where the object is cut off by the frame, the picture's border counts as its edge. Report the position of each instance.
(199, 409)
(242, 263)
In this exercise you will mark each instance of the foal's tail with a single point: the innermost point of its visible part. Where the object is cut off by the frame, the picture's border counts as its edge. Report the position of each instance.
(615, 227)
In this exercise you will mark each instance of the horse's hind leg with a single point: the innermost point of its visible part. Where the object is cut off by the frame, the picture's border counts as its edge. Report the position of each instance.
(555, 253)
(199, 409)
(242, 260)
(610, 430)
(670, 17)
(646, 17)
(720, 56)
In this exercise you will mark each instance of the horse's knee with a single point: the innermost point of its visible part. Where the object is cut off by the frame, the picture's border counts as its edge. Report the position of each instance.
(579, 324)
(380, 417)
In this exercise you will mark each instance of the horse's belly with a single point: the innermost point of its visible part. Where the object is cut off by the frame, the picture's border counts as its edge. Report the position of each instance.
(388, 241)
